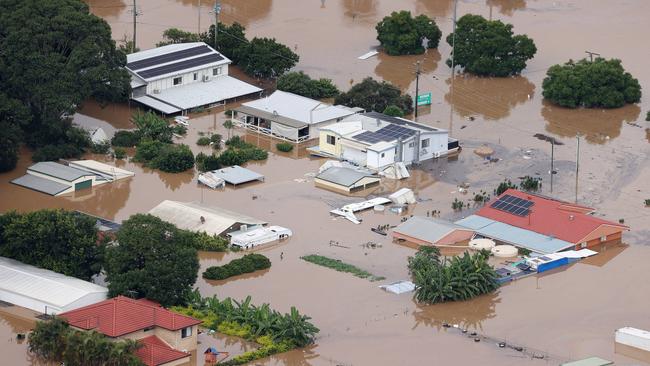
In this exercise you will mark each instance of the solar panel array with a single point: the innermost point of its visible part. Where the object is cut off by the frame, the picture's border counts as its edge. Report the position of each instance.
(388, 133)
(177, 66)
(513, 205)
(169, 57)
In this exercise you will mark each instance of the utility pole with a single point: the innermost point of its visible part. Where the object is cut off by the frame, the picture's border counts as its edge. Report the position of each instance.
(577, 164)
(135, 15)
(552, 168)
(216, 10)
(453, 42)
(591, 55)
(199, 25)
(417, 86)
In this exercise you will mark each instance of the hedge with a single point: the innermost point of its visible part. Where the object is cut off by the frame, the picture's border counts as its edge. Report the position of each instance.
(246, 264)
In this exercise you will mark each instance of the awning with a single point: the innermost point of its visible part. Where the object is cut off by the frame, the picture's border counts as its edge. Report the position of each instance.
(157, 105)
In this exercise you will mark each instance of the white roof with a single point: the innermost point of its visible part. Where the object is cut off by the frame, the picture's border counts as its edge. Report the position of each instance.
(192, 95)
(43, 285)
(157, 105)
(381, 146)
(187, 216)
(343, 128)
(237, 175)
(299, 108)
(102, 169)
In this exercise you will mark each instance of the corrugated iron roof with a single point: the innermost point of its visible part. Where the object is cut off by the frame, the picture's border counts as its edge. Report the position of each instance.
(121, 315)
(154, 351)
(40, 184)
(427, 229)
(343, 176)
(59, 171)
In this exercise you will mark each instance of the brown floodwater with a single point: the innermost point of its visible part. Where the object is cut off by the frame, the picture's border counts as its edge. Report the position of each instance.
(562, 315)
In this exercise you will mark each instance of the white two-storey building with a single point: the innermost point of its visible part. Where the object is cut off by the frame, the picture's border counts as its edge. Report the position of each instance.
(179, 77)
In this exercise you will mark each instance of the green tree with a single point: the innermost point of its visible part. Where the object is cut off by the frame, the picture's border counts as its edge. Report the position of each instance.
(266, 58)
(301, 84)
(401, 34)
(489, 48)
(372, 95)
(231, 41)
(152, 126)
(152, 260)
(58, 240)
(598, 84)
(55, 55)
(297, 328)
(175, 35)
(393, 110)
(228, 125)
(173, 159)
(504, 186)
(13, 116)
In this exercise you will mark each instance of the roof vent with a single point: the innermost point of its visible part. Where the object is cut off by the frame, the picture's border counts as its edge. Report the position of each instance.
(571, 217)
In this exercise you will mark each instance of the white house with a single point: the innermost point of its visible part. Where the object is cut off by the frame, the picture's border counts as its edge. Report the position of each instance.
(376, 140)
(43, 290)
(178, 77)
(290, 116)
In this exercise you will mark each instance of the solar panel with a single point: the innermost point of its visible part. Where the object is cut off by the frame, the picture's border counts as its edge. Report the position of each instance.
(199, 61)
(513, 205)
(388, 133)
(168, 57)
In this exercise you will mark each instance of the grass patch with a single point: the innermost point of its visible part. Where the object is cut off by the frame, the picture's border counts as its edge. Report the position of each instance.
(339, 266)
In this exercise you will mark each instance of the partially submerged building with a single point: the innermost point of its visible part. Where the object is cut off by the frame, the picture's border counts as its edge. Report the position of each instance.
(234, 175)
(346, 180)
(43, 290)
(541, 224)
(250, 237)
(57, 179)
(166, 338)
(376, 140)
(179, 77)
(433, 232)
(198, 217)
(289, 116)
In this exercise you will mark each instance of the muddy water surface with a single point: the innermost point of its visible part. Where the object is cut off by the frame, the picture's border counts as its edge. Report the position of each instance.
(563, 315)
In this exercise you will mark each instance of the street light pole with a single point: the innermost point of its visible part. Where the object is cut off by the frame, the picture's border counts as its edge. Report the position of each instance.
(417, 87)
(552, 168)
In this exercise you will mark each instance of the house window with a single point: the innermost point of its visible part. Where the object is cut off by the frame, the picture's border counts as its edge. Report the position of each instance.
(331, 140)
(411, 144)
(425, 143)
(383, 154)
(186, 332)
(216, 71)
(196, 76)
(178, 80)
(583, 244)
(603, 238)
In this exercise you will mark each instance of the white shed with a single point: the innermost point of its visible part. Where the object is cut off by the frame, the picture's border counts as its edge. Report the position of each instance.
(43, 290)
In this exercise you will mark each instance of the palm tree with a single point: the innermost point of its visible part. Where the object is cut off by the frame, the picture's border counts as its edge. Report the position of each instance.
(229, 125)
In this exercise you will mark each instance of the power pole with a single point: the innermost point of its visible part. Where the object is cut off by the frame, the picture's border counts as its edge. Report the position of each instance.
(417, 87)
(453, 42)
(552, 168)
(135, 15)
(591, 55)
(577, 164)
(216, 10)
(199, 25)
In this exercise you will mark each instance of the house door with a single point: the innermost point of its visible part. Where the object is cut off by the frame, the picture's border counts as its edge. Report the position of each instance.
(83, 185)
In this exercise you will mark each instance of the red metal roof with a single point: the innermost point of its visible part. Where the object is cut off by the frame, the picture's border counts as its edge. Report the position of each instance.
(121, 315)
(155, 351)
(562, 220)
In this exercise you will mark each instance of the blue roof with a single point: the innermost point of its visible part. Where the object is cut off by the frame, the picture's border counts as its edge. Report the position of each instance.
(513, 235)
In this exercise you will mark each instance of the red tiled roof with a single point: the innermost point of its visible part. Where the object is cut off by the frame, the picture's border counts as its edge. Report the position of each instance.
(121, 315)
(550, 217)
(155, 351)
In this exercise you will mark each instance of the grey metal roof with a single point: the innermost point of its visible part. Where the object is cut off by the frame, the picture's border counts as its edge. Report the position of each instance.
(401, 121)
(427, 229)
(237, 175)
(169, 57)
(270, 116)
(343, 176)
(59, 171)
(40, 184)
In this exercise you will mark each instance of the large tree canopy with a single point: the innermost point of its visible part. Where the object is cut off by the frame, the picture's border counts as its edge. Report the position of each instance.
(301, 84)
(598, 84)
(372, 95)
(55, 55)
(62, 241)
(489, 48)
(153, 259)
(13, 116)
(401, 34)
(266, 58)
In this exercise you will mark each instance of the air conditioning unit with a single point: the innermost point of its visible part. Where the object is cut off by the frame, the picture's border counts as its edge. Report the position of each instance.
(156, 91)
(206, 78)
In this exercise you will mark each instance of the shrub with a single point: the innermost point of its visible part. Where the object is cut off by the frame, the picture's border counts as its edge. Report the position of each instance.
(152, 126)
(125, 138)
(647, 202)
(166, 157)
(402, 34)
(529, 183)
(647, 116)
(301, 84)
(489, 47)
(229, 113)
(203, 141)
(119, 153)
(284, 146)
(457, 205)
(216, 141)
(240, 151)
(179, 130)
(101, 147)
(246, 264)
(393, 110)
(601, 83)
(207, 162)
(339, 266)
(56, 152)
(504, 186)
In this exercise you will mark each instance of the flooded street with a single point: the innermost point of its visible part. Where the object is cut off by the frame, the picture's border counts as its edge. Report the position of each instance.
(563, 315)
